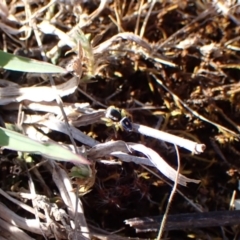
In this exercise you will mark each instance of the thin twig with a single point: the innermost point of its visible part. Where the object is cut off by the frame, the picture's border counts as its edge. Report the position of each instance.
(146, 18)
(170, 198)
(138, 17)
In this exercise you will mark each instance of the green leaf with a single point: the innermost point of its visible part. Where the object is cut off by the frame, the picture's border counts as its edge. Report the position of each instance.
(80, 172)
(18, 142)
(23, 64)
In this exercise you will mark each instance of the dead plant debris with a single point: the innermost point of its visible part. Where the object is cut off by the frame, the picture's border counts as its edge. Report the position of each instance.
(173, 65)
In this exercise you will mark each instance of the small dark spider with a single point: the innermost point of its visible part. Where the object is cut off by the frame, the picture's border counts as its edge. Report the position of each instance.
(119, 118)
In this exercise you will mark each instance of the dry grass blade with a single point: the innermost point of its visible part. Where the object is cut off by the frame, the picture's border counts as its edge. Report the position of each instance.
(77, 134)
(21, 204)
(127, 35)
(162, 166)
(12, 232)
(15, 93)
(30, 225)
(194, 147)
(69, 197)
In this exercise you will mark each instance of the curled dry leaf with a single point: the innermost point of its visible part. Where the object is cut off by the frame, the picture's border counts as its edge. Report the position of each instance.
(161, 165)
(112, 148)
(104, 149)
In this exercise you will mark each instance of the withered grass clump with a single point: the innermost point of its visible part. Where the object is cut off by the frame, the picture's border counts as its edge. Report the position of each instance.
(174, 65)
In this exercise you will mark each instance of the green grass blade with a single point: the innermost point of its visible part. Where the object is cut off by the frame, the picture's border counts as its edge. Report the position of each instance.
(18, 142)
(11, 62)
